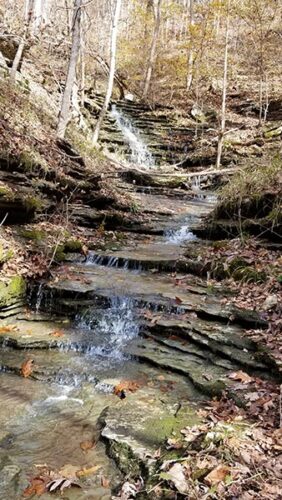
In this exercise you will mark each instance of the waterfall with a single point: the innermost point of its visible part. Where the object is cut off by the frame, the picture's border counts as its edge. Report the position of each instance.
(114, 327)
(140, 154)
(180, 235)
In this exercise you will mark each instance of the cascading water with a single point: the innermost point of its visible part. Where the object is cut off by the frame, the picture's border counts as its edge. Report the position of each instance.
(140, 154)
(113, 328)
(180, 235)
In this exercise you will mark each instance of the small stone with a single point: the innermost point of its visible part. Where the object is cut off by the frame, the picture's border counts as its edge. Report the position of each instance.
(270, 302)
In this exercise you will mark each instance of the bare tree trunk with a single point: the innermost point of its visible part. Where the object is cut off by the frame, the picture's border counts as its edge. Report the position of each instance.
(21, 46)
(189, 78)
(64, 114)
(153, 50)
(224, 91)
(38, 8)
(111, 72)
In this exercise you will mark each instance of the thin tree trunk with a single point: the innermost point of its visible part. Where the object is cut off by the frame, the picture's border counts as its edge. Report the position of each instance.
(82, 61)
(111, 72)
(224, 92)
(18, 58)
(153, 50)
(64, 114)
(21, 46)
(189, 78)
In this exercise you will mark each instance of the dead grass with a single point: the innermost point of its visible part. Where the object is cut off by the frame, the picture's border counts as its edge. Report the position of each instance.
(252, 182)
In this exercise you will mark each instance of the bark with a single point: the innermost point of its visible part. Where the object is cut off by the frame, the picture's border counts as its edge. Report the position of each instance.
(191, 52)
(21, 46)
(64, 114)
(224, 91)
(152, 56)
(111, 72)
(118, 80)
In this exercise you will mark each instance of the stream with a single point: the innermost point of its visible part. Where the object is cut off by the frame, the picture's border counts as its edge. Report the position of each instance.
(123, 314)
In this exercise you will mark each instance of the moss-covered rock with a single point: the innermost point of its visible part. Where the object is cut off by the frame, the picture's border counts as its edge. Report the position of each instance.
(5, 254)
(32, 234)
(73, 245)
(69, 246)
(12, 290)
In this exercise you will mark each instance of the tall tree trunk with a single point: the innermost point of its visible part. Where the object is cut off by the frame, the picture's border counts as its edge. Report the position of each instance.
(64, 114)
(111, 72)
(21, 46)
(38, 8)
(189, 78)
(224, 91)
(152, 56)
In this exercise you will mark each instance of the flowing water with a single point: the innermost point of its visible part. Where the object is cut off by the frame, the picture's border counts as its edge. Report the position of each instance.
(181, 235)
(139, 152)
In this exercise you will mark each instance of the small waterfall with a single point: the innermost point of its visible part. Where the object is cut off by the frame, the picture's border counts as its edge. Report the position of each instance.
(113, 328)
(140, 154)
(178, 236)
(39, 297)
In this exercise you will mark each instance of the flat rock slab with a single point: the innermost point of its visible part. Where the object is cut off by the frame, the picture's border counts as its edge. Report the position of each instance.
(82, 282)
(135, 429)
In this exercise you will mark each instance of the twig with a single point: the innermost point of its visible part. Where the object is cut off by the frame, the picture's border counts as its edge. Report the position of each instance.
(280, 406)
(4, 219)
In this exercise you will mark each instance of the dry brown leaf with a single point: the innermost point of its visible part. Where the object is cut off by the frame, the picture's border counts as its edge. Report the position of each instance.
(217, 475)
(84, 250)
(105, 482)
(37, 487)
(126, 385)
(277, 437)
(87, 445)
(177, 477)
(57, 333)
(8, 328)
(69, 471)
(241, 377)
(178, 300)
(27, 368)
(87, 472)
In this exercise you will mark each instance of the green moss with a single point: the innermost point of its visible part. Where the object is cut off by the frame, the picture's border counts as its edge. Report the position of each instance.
(5, 255)
(61, 250)
(6, 191)
(32, 203)
(128, 463)
(72, 246)
(159, 429)
(32, 160)
(12, 290)
(59, 253)
(32, 234)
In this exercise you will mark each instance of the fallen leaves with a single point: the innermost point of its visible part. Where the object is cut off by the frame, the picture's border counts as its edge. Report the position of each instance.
(124, 386)
(241, 377)
(87, 471)
(177, 477)
(37, 487)
(52, 481)
(27, 368)
(87, 445)
(57, 333)
(217, 475)
(61, 484)
(8, 329)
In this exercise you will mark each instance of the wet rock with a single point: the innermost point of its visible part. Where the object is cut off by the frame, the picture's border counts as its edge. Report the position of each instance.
(135, 431)
(9, 475)
(11, 291)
